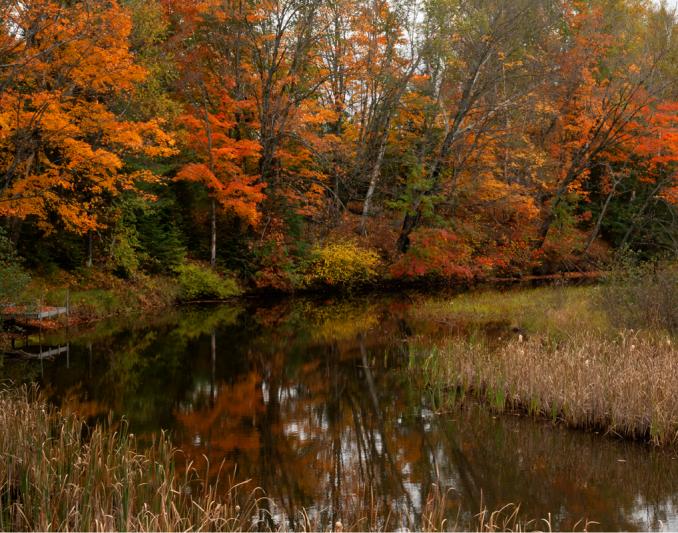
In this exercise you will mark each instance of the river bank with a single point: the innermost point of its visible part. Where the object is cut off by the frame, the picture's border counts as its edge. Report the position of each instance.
(624, 387)
(94, 296)
(600, 358)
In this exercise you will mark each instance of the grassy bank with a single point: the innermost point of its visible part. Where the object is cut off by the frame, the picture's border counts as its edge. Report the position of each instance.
(58, 474)
(601, 358)
(92, 295)
(553, 310)
(625, 386)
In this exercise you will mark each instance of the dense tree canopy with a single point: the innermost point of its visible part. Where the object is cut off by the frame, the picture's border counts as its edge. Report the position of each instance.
(451, 137)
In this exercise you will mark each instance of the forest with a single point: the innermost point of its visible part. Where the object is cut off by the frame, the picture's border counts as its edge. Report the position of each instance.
(237, 239)
(298, 144)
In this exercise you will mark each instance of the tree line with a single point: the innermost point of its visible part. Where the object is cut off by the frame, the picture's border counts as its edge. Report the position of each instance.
(449, 137)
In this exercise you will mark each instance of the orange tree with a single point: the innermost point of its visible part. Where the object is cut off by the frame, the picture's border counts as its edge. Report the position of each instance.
(605, 83)
(63, 140)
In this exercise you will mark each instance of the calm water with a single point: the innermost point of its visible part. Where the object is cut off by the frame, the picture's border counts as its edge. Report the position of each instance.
(318, 403)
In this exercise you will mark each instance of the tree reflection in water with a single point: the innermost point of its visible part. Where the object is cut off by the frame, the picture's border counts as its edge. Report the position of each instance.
(319, 405)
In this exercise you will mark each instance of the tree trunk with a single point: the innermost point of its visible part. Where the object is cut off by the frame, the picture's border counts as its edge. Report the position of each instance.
(213, 242)
(412, 218)
(385, 116)
(267, 160)
(89, 249)
(636, 219)
(550, 218)
(410, 222)
(213, 345)
(546, 226)
(208, 131)
(599, 222)
(453, 131)
(374, 177)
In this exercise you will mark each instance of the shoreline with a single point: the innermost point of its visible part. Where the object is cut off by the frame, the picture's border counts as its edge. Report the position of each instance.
(585, 382)
(153, 299)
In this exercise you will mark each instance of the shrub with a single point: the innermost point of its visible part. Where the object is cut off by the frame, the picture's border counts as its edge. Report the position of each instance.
(196, 282)
(435, 253)
(124, 253)
(275, 267)
(13, 278)
(642, 295)
(341, 264)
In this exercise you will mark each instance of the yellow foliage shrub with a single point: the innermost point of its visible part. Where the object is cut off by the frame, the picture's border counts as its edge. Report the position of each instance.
(341, 264)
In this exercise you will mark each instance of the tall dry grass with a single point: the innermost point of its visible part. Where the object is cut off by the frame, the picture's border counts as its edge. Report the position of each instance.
(507, 518)
(57, 474)
(626, 385)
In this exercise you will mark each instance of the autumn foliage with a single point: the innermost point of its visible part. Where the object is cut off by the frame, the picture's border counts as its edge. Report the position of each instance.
(452, 140)
(62, 140)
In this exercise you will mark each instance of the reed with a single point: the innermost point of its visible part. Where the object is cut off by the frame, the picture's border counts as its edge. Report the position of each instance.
(58, 474)
(625, 385)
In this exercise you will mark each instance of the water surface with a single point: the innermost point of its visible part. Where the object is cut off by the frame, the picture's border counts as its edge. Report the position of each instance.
(319, 403)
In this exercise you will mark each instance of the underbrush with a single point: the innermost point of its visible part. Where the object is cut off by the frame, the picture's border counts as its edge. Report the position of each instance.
(642, 295)
(340, 264)
(93, 295)
(197, 282)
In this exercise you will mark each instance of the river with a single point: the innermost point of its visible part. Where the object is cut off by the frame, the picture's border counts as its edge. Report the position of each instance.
(319, 403)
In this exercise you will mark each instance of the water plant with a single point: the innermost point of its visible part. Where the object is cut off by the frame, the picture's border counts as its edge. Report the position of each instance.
(57, 474)
(624, 385)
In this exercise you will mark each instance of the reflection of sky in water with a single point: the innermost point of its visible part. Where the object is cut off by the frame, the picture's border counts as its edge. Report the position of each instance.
(306, 425)
(304, 418)
(646, 513)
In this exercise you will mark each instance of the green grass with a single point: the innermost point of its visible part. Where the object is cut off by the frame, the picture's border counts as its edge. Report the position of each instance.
(553, 310)
(96, 295)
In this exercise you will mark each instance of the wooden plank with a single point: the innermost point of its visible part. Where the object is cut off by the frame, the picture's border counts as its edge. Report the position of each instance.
(51, 352)
(44, 354)
(56, 311)
(37, 314)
